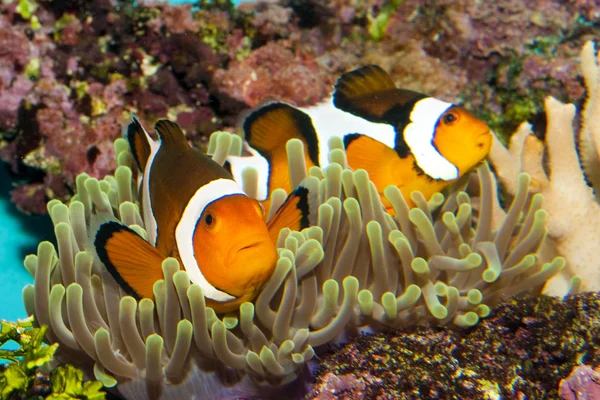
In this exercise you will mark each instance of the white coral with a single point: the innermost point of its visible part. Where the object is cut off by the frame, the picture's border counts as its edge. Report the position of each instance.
(574, 211)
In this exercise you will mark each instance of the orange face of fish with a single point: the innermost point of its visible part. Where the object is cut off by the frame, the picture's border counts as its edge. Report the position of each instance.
(233, 248)
(462, 138)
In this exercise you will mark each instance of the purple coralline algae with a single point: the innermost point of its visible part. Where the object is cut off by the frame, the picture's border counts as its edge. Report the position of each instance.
(582, 384)
(70, 72)
(273, 71)
(522, 351)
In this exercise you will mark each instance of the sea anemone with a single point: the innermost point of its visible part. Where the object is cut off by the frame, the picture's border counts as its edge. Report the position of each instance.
(439, 263)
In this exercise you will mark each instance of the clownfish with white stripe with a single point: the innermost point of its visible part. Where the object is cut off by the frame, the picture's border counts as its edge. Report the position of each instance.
(194, 211)
(400, 137)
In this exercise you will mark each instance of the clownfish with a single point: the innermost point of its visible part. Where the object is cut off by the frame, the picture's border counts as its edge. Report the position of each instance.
(194, 211)
(400, 137)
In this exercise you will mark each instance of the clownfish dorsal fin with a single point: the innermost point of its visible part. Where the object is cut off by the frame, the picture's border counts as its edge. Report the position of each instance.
(362, 81)
(369, 92)
(139, 142)
(269, 128)
(133, 262)
(294, 213)
(379, 160)
(170, 134)
(353, 87)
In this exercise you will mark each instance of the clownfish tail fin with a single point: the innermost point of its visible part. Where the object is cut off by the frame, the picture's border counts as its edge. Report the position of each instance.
(299, 210)
(170, 134)
(139, 142)
(269, 128)
(133, 262)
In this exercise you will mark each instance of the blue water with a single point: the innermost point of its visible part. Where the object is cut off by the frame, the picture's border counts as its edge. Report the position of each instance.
(19, 236)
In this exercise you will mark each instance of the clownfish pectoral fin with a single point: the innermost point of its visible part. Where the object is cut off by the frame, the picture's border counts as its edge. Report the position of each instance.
(133, 262)
(294, 213)
(269, 128)
(139, 142)
(364, 152)
(171, 135)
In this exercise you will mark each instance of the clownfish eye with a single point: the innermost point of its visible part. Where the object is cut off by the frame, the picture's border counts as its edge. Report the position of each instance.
(209, 220)
(450, 118)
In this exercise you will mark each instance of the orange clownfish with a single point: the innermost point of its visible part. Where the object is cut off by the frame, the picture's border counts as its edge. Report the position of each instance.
(194, 211)
(400, 137)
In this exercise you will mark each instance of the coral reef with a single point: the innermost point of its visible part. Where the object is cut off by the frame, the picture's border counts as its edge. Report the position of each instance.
(23, 376)
(69, 76)
(582, 384)
(354, 270)
(68, 72)
(521, 351)
(72, 71)
(274, 72)
(557, 170)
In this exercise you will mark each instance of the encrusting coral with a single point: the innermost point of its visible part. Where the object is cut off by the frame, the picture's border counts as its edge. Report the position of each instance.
(523, 350)
(357, 268)
(71, 70)
(556, 171)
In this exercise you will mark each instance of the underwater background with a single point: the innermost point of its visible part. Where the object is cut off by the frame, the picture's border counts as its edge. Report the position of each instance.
(19, 235)
(71, 71)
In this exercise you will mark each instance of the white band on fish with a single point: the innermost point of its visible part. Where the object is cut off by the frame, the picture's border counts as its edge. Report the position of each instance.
(419, 136)
(148, 213)
(205, 195)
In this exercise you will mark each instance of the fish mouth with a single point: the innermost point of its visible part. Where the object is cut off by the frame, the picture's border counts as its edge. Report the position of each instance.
(250, 246)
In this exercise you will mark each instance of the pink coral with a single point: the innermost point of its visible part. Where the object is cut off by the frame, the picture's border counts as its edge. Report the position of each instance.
(274, 71)
(52, 94)
(272, 20)
(212, 64)
(30, 198)
(198, 120)
(114, 93)
(12, 97)
(178, 19)
(334, 387)
(50, 121)
(14, 46)
(69, 35)
(582, 384)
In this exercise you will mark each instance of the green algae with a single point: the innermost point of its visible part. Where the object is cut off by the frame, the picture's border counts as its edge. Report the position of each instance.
(378, 24)
(26, 8)
(520, 99)
(67, 383)
(32, 69)
(21, 377)
(223, 5)
(212, 34)
(517, 106)
(522, 350)
(62, 23)
(35, 23)
(81, 89)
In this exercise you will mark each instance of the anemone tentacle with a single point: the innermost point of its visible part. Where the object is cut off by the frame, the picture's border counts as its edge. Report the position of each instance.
(443, 262)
